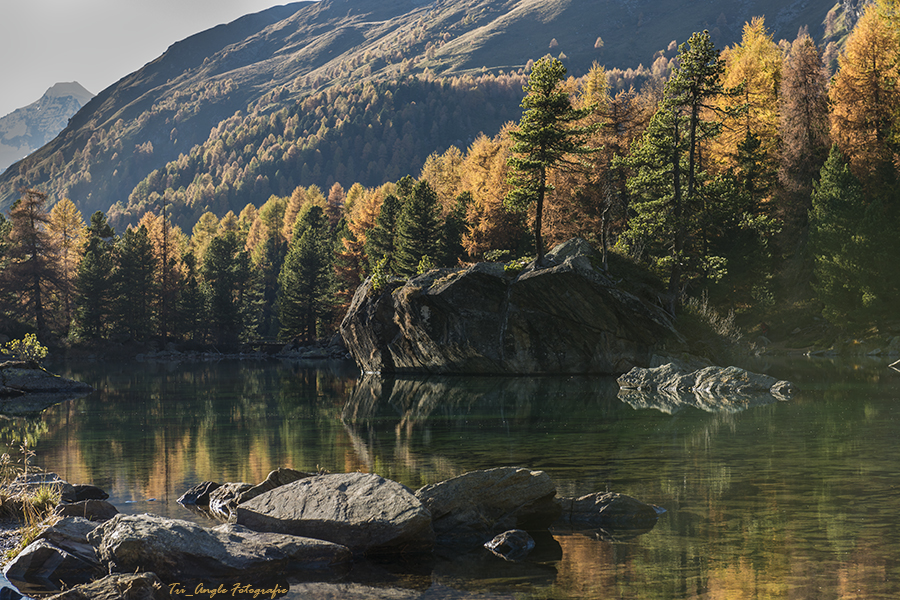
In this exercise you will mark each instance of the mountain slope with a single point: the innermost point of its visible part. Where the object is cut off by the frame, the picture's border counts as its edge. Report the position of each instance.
(26, 129)
(157, 118)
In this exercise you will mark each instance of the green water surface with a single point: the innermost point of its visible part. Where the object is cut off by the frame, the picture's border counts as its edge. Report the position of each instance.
(779, 499)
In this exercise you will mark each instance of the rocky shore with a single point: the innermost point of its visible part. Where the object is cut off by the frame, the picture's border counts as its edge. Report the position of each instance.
(308, 527)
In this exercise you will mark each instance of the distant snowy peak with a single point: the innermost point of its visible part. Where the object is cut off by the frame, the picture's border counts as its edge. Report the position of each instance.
(26, 129)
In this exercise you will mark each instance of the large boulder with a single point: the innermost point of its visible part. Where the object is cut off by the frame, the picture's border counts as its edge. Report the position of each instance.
(479, 504)
(175, 549)
(670, 387)
(367, 513)
(565, 318)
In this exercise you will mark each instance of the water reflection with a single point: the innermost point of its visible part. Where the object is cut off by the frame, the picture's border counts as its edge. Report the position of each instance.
(785, 500)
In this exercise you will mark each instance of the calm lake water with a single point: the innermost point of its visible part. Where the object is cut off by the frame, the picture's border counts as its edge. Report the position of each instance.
(795, 499)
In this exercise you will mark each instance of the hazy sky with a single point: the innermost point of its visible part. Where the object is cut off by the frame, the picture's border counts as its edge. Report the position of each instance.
(96, 42)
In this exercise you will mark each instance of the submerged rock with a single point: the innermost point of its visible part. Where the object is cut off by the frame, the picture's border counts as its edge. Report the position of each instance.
(365, 512)
(608, 510)
(479, 504)
(512, 545)
(175, 549)
(566, 318)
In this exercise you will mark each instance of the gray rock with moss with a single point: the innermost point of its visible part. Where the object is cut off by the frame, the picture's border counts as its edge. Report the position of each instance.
(568, 317)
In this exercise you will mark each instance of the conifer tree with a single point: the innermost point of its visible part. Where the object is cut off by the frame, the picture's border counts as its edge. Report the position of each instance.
(547, 138)
(380, 240)
(225, 272)
(305, 281)
(67, 233)
(32, 268)
(673, 199)
(803, 127)
(841, 243)
(191, 307)
(134, 284)
(418, 230)
(93, 281)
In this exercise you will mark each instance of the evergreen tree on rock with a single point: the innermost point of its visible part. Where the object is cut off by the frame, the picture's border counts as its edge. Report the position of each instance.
(548, 137)
(419, 229)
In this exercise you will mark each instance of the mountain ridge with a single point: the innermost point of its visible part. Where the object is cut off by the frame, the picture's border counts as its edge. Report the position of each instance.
(30, 127)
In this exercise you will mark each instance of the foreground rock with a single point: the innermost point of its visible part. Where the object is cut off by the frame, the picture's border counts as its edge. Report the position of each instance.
(671, 387)
(139, 586)
(26, 389)
(364, 512)
(44, 564)
(477, 505)
(175, 549)
(566, 318)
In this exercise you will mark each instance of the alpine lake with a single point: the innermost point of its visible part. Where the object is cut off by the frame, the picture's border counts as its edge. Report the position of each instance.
(796, 499)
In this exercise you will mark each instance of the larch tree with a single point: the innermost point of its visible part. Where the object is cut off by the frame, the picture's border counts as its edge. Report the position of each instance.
(32, 267)
(68, 236)
(864, 98)
(753, 69)
(803, 127)
(548, 137)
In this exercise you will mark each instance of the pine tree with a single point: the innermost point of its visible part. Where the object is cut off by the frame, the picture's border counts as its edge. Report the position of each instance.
(225, 272)
(93, 281)
(840, 242)
(305, 281)
(381, 239)
(418, 230)
(673, 198)
(191, 307)
(134, 284)
(454, 227)
(547, 138)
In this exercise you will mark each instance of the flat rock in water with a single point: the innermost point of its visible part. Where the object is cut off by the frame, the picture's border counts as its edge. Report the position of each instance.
(175, 549)
(512, 545)
(670, 387)
(365, 512)
(29, 389)
(480, 504)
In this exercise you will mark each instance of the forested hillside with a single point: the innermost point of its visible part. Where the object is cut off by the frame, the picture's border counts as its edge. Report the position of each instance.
(752, 177)
(360, 66)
